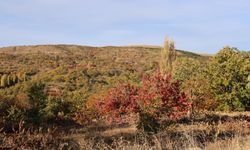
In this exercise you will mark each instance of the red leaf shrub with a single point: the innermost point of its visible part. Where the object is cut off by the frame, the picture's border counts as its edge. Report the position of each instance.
(163, 97)
(158, 95)
(119, 101)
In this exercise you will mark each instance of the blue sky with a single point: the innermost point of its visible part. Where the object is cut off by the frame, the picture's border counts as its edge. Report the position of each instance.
(197, 25)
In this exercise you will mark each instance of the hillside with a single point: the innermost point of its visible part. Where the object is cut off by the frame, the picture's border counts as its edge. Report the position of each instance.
(77, 71)
(69, 93)
(62, 49)
(75, 54)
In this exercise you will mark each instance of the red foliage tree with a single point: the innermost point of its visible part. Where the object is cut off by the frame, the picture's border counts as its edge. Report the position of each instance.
(119, 101)
(158, 95)
(162, 97)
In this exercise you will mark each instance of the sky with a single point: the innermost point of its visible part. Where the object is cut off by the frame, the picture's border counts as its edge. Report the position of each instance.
(200, 26)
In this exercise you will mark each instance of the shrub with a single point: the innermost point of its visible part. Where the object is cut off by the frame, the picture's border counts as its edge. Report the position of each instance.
(57, 107)
(161, 96)
(33, 107)
(118, 101)
(195, 83)
(158, 96)
(37, 102)
(10, 113)
(229, 70)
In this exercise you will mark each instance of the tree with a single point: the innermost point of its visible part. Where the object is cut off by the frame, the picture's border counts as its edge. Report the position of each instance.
(229, 70)
(14, 78)
(168, 55)
(118, 101)
(4, 82)
(158, 96)
(195, 83)
(184, 68)
(9, 80)
(37, 101)
(24, 77)
(36, 94)
(248, 84)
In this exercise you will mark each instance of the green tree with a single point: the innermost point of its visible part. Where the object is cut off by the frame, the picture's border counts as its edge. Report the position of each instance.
(184, 68)
(248, 84)
(195, 83)
(37, 101)
(229, 70)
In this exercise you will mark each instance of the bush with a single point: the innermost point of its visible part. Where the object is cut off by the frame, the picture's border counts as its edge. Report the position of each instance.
(11, 113)
(34, 107)
(229, 70)
(195, 83)
(57, 107)
(158, 97)
(118, 101)
(37, 102)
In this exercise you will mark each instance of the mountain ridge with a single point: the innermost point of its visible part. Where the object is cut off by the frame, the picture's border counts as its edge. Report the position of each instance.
(56, 48)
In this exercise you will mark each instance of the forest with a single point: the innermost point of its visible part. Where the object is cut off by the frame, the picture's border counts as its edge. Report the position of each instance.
(127, 97)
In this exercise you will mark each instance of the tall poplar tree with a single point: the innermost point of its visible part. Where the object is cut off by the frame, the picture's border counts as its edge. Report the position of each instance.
(168, 55)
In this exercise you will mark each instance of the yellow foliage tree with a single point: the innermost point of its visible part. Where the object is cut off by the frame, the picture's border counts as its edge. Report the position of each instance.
(168, 55)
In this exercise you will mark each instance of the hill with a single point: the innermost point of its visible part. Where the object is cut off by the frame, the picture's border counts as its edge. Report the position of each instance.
(54, 88)
(76, 70)
(60, 49)
(12, 58)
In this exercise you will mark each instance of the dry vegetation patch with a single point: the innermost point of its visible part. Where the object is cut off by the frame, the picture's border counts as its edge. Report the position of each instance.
(203, 133)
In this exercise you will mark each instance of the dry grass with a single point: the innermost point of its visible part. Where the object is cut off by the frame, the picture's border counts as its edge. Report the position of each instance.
(237, 143)
(230, 132)
(161, 141)
(211, 131)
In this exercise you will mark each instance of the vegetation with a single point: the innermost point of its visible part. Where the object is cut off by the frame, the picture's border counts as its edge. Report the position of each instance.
(158, 97)
(150, 89)
(229, 71)
(168, 55)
